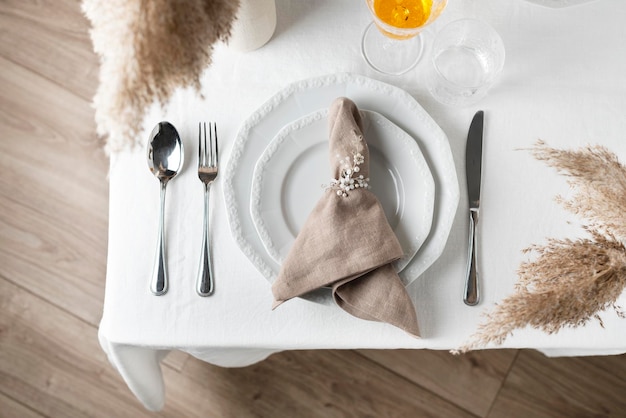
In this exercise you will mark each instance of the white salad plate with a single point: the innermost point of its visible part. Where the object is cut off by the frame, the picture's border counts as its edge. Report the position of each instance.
(305, 97)
(291, 174)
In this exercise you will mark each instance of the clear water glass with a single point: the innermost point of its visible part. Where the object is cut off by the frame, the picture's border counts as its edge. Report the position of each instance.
(558, 4)
(468, 56)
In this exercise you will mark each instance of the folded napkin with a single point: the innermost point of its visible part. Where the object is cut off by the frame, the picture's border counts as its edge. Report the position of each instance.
(346, 242)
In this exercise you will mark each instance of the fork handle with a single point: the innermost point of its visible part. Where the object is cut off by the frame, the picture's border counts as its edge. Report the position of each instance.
(204, 283)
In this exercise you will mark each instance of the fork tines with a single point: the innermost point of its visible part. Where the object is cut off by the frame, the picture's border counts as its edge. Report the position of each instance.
(207, 157)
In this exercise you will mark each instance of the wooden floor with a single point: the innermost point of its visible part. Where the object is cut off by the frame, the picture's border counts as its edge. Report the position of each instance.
(53, 242)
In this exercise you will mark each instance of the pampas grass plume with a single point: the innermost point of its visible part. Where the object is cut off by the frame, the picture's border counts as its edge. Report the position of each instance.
(570, 281)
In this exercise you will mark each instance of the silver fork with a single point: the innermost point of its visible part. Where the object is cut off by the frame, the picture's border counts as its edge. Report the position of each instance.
(207, 172)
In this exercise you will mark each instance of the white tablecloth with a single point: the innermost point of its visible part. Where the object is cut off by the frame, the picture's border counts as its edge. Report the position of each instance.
(564, 81)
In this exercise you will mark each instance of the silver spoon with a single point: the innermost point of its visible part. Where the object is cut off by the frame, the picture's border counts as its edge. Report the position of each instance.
(165, 159)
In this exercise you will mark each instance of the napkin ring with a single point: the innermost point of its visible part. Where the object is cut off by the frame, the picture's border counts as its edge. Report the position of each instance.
(349, 179)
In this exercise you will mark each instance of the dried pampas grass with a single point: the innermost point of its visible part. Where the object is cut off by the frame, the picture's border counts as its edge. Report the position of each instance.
(600, 183)
(147, 49)
(570, 281)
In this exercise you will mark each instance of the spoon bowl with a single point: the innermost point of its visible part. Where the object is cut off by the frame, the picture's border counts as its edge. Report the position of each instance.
(165, 151)
(165, 157)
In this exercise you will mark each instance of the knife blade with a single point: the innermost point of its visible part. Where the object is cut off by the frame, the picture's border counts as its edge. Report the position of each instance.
(473, 172)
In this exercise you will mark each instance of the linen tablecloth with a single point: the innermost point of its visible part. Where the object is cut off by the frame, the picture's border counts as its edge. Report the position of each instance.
(563, 82)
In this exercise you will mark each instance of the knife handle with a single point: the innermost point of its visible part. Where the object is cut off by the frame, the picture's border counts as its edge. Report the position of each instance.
(471, 295)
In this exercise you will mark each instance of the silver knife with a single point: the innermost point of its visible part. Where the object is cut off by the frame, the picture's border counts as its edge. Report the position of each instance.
(473, 168)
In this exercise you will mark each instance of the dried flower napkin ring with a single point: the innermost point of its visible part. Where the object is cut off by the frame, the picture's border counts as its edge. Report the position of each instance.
(349, 179)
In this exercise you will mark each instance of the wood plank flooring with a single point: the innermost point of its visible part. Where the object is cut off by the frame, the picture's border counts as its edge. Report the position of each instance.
(53, 239)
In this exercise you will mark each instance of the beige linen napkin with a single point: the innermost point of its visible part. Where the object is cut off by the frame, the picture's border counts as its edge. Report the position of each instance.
(346, 241)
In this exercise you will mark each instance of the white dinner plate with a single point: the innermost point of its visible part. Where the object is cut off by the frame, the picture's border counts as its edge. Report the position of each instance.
(304, 97)
(290, 175)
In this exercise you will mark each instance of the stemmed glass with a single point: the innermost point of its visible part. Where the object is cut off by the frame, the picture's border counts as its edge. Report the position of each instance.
(391, 43)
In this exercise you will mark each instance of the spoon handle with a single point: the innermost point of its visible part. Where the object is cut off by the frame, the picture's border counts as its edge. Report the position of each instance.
(204, 284)
(159, 283)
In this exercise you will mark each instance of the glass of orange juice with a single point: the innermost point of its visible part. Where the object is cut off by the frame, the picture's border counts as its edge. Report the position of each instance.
(391, 43)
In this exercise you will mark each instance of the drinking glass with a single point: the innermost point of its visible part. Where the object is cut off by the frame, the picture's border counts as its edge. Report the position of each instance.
(392, 43)
(557, 4)
(467, 57)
